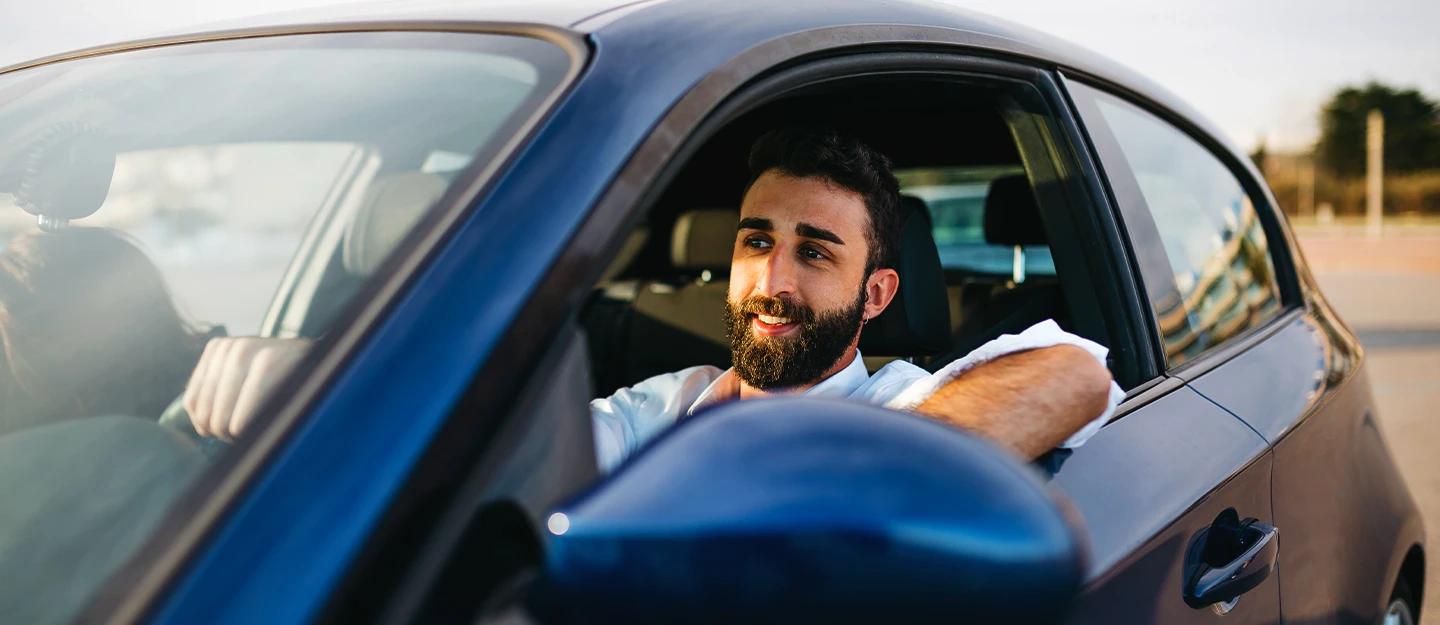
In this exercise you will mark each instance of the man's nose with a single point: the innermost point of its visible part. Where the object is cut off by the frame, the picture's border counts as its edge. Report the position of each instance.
(778, 276)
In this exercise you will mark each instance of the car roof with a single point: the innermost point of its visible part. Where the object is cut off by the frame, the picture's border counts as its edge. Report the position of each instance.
(731, 26)
(556, 13)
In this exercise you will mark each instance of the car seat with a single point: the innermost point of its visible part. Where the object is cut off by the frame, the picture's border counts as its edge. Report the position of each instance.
(917, 321)
(641, 328)
(389, 210)
(1012, 218)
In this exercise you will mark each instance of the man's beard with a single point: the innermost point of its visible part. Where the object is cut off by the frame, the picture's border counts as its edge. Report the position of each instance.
(769, 363)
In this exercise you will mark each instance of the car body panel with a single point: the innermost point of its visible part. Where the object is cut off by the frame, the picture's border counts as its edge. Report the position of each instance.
(1273, 377)
(1338, 494)
(1144, 485)
(1147, 586)
(557, 13)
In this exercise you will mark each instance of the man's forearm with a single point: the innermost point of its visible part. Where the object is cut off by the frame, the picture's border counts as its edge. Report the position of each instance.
(1029, 402)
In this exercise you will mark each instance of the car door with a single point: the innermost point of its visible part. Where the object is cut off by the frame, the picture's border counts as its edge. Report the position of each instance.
(1283, 365)
(1158, 485)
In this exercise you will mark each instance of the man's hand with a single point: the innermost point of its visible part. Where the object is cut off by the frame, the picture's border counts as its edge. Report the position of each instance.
(234, 375)
(1029, 401)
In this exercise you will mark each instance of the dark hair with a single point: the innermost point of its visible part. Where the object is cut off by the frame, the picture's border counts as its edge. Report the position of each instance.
(845, 161)
(87, 328)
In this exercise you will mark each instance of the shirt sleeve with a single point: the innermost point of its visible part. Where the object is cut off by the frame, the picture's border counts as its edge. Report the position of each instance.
(1044, 334)
(634, 415)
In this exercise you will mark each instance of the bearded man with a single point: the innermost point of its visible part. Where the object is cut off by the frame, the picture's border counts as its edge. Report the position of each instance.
(813, 262)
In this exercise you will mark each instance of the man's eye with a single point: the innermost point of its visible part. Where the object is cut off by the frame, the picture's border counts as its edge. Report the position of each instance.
(757, 243)
(811, 253)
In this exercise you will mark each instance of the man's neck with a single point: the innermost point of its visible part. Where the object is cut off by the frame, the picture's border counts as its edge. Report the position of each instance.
(750, 392)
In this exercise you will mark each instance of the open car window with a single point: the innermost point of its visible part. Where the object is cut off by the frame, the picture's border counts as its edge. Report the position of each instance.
(155, 199)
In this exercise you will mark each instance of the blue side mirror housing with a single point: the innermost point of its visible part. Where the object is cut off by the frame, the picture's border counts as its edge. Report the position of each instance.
(810, 510)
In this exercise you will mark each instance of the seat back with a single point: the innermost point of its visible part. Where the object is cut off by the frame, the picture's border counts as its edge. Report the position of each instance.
(390, 209)
(700, 249)
(639, 329)
(917, 321)
(1012, 218)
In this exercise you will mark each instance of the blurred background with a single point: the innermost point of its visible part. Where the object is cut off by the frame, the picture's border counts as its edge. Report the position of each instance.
(1335, 101)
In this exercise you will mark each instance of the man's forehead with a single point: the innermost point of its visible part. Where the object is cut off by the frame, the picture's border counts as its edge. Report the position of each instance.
(786, 200)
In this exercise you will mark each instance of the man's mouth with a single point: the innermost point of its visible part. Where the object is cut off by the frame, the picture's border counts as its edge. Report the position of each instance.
(768, 325)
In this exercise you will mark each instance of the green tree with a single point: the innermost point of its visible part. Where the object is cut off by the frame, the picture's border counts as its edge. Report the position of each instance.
(1412, 129)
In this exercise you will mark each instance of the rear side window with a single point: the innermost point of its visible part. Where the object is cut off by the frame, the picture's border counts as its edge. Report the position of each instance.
(1213, 276)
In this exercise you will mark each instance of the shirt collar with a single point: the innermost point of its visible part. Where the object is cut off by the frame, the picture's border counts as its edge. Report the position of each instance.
(842, 384)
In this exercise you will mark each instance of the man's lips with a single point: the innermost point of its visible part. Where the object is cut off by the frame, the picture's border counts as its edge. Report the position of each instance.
(766, 325)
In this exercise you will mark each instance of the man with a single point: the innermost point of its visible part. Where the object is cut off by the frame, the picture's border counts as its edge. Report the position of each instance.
(812, 264)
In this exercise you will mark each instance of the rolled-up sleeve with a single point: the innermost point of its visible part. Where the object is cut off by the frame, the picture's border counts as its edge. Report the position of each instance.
(911, 389)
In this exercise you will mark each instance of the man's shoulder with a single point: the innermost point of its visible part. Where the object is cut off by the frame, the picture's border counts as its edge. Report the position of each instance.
(690, 381)
(699, 374)
(633, 415)
(889, 381)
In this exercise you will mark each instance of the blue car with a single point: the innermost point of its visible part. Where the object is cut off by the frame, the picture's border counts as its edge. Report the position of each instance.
(480, 216)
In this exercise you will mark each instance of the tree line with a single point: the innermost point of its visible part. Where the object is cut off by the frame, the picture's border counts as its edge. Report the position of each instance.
(1411, 152)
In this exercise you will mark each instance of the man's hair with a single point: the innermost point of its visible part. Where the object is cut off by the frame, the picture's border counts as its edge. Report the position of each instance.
(845, 161)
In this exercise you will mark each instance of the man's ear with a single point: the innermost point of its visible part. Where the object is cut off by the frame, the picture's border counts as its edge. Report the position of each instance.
(880, 289)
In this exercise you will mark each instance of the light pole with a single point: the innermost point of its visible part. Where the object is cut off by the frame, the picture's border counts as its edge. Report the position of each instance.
(1374, 172)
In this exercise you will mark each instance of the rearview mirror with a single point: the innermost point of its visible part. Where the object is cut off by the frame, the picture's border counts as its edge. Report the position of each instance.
(811, 510)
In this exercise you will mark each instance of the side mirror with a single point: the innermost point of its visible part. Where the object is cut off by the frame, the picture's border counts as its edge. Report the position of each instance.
(811, 510)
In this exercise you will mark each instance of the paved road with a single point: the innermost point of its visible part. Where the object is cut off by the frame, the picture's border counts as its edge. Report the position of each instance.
(1370, 301)
(1406, 381)
(1397, 316)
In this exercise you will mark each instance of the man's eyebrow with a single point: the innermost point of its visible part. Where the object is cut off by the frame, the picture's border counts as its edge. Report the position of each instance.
(809, 231)
(756, 223)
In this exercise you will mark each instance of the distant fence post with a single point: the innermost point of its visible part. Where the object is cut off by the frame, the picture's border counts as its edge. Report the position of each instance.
(1374, 172)
(1307, 188)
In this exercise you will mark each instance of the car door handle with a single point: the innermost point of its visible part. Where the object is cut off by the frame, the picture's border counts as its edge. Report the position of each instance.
(1229, 558)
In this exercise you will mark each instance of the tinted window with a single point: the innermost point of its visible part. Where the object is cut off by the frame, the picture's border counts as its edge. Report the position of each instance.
(186, 192)
(1218, 278)
(956, 198)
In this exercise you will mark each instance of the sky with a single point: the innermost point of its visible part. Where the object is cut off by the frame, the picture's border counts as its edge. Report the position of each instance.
(1258, 68)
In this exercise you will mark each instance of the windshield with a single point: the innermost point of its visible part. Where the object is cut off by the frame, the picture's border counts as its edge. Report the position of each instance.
(153, 201)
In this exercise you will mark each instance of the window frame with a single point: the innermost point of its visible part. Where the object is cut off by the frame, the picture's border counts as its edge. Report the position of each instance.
(1142, 234)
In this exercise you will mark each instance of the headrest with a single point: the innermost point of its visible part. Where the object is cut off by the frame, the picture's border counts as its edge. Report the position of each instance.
(917, 321)
(704, 239)
(390, 209)
(1011, 215)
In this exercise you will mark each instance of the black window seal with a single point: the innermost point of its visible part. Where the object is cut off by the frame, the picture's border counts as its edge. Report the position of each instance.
(1125, 296)
(147, 576)
(1144, 394)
